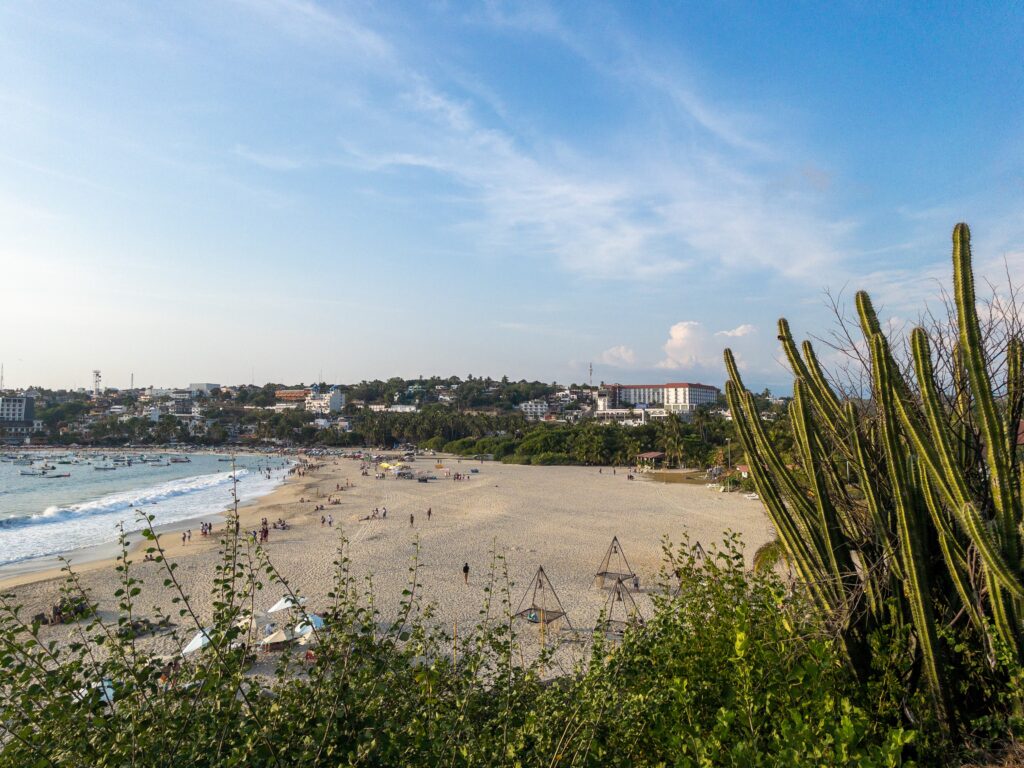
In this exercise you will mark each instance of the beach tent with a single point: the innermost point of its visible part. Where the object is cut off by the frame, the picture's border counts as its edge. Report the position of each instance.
(620, 612)
(276, 641)
(540, 605)
(197, 643)
(285, 603)
(310, 623)
(614, 566)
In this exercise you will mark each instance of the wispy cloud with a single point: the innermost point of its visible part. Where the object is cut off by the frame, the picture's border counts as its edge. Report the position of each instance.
(269, 161)
(701, 193)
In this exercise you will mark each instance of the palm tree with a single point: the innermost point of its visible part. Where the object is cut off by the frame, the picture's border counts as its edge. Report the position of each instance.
(673, 440)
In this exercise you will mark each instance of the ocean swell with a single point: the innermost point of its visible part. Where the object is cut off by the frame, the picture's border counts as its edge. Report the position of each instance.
(124, 500)
(69, 527)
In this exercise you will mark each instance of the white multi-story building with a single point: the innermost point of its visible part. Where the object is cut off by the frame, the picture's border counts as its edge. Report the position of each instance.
(18, 416)
(329, 402)
(17, 408)
(534, 409)
(203, 386)
(680, 397)
(686, 398)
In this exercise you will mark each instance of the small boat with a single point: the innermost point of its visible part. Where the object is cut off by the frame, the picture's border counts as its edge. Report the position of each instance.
(180, 460)
(33, 472)
(23, 462)
(47, 467)
(62, 474)
(104, 467)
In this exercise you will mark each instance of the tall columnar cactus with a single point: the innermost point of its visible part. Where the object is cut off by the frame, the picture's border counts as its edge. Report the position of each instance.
(928, 534)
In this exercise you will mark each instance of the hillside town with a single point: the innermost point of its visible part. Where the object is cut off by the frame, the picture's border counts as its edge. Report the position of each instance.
(215, 414)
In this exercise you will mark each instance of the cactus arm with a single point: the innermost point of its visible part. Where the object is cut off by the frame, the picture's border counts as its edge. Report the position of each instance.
(961, 408)
(936, 450)
(1014, 394)
(992, 431)
(810, 371)
(911, 537)
(781, 517)
(952, 550)
(835, 543)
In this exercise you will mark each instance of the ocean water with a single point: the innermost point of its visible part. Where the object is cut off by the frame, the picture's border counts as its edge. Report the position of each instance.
(40, 516)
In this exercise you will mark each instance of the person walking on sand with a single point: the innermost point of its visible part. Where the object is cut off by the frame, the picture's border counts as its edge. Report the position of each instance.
(428, 514)
(330, 521)
(465, 573)
(412, 520)
(182, 537)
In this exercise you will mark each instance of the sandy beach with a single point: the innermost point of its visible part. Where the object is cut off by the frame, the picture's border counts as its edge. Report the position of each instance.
(560, 517)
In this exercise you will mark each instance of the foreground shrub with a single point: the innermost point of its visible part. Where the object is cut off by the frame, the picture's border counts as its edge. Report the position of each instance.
(731, 669)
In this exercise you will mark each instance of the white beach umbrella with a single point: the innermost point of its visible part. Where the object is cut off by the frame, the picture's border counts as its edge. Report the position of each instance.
(200, 641)
(285, 603)
(308, 624)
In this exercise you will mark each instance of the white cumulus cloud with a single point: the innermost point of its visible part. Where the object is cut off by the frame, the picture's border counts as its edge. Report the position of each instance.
(740, 330)
(619, 356)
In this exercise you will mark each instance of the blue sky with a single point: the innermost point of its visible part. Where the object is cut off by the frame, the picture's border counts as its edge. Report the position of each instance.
(213, 191)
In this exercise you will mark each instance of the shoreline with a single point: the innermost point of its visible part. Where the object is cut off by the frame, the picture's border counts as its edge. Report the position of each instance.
(97, 556)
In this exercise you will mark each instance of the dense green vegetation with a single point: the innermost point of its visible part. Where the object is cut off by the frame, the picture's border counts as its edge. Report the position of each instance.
(732, 669)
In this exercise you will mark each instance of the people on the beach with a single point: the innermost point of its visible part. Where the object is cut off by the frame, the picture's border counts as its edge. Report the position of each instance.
(465, 573)
(412, 519)
(428, 514)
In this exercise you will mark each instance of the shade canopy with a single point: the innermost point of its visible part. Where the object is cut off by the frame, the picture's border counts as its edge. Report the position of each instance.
(281, 636)
(286, 602)
(197, 643)
(310, 623)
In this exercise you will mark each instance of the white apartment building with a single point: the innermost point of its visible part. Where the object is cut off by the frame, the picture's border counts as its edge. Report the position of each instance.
(18, 416)
(686, 398)
(205, 387)
(17, 408)
(329, 402)
(534, 409)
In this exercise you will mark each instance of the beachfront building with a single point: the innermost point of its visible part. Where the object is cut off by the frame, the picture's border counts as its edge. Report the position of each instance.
(325, 403)
(203, 387)
(17, 408)
(534, 409)
(18, 416)
(680, 398)
(686, 398)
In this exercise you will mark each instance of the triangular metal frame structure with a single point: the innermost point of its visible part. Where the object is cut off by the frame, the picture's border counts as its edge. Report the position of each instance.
(614, 566)
(620, 601)
(698, 552)
(544, 606)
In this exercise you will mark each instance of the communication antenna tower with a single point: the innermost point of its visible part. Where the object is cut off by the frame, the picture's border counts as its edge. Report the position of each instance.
(97, 382)
(591, 374)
